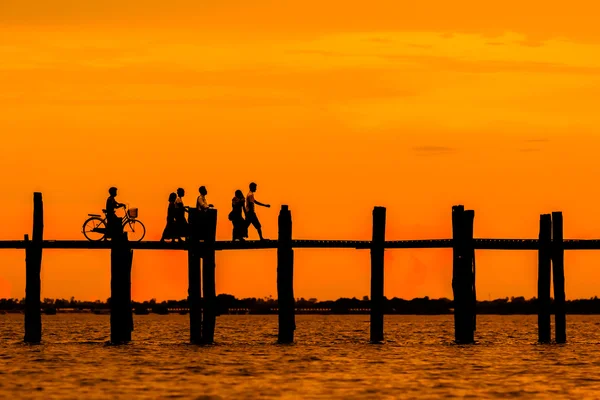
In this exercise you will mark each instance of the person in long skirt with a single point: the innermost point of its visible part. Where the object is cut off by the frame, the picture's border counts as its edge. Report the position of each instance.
(180, 210)
(240, 227)
(170, 231)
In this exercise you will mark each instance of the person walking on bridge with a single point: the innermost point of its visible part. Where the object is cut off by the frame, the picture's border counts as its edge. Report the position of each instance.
(170, 231)
(113, 223)
(180, 210)
(251, 217)
(240, 227)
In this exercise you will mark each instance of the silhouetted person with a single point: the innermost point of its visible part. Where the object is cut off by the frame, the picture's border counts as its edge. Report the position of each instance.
(251, 217)
(197, 216)
(201, 203)
(170, 231)
(240, 227)
(180, 210)
(113, 223)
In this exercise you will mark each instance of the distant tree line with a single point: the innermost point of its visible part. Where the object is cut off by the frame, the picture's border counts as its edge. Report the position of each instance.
(229, 304)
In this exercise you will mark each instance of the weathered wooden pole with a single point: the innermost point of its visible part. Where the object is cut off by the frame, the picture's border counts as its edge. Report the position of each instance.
(285, 277)
(209, 301)
(457, 254)
(33, 268)
(195, 293)
(463, 275)
(470, 272)
(121, 318)
(195, 282)
(377, 268)
(544, 271)
(558, 274)
(128, 309)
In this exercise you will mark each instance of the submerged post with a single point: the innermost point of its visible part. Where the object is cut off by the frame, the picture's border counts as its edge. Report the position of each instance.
(377, 272)
(544, 271)
(463, 275)
(209, 302)
(33, 268)
(285, 277)
(121, 318)
(558, 274)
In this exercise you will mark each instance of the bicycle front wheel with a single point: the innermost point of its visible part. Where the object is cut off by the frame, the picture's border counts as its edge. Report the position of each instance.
(135, 230)
(94, 229)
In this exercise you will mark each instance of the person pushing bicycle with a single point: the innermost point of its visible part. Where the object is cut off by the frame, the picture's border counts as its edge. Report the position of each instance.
(114, 223)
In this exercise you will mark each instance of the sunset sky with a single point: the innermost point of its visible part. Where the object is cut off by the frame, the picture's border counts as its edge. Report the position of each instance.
(331, 107)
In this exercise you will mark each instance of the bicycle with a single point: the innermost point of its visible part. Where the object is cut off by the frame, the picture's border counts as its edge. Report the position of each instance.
(95, 227)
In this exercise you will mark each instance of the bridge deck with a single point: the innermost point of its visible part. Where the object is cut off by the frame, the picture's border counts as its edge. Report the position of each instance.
(480, 244)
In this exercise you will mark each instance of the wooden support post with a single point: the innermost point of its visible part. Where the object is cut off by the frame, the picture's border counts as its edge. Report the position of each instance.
(463, 275)
(558, 274)
(195, 278)
(377, 295)
(195, 293)
(121, 319)
(469, 268)
(457, 253)
(544, 271)
(285, 278)
(127, 307)
(209, 302)
(33, 268)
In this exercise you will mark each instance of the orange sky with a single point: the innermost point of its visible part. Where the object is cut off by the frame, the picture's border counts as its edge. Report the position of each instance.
(331, 107)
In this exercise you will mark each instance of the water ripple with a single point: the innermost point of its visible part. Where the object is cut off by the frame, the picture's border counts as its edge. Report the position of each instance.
(331, 359)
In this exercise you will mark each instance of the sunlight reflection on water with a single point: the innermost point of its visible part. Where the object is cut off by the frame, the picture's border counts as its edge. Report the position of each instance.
(331, 359)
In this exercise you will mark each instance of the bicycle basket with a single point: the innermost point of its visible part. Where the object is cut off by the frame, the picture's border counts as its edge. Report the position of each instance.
(132, 212)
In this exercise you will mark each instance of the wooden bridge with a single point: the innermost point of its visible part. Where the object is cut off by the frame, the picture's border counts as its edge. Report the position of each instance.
(202, 245)
(224, 245)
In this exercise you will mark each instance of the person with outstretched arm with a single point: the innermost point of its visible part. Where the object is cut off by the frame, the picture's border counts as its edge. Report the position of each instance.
(251, 217)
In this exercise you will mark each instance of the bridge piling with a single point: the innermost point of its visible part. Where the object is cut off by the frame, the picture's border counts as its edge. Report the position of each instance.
(121, 316)
(195, 278)
(33, 268)
(470, 270)
(463, 275)
(209, 301)
(558, 275)
(544, 271)
(377, 274)
(285, 277)
(195, 294)
(128, 308)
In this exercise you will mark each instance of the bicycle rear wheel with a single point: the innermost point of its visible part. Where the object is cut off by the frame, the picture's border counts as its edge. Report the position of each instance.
(135, 230)
(94, 229)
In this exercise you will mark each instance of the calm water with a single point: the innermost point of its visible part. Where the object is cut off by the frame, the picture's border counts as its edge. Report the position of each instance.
(330, 359)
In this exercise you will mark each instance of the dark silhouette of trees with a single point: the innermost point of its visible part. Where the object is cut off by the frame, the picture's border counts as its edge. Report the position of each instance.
(230, 304)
